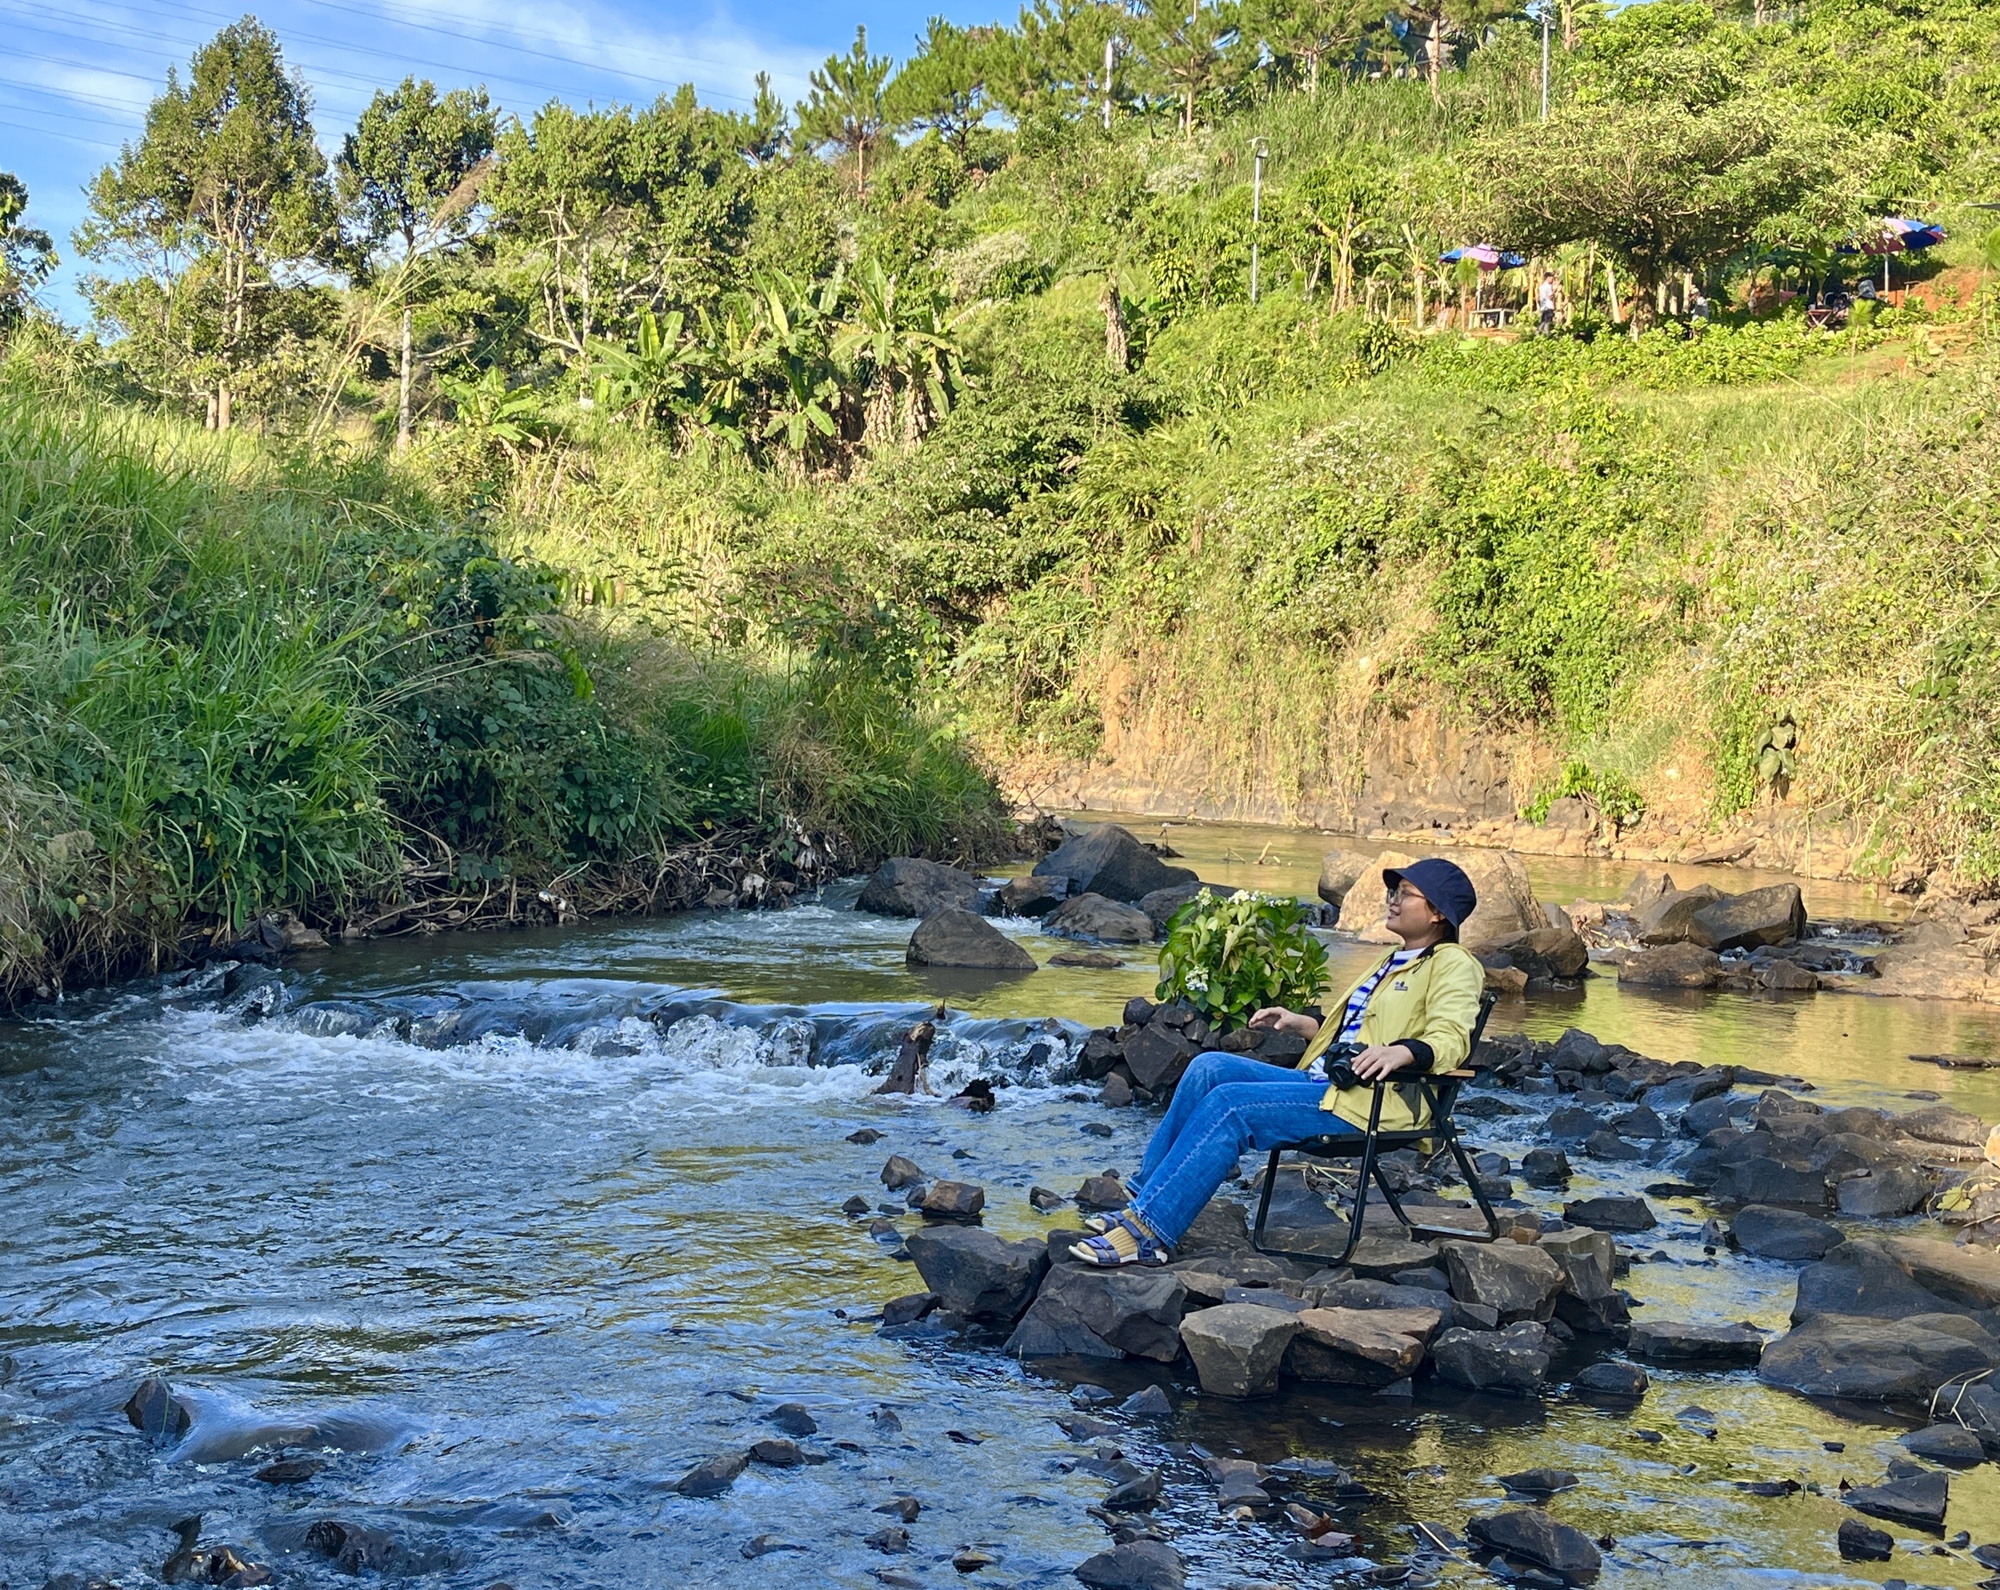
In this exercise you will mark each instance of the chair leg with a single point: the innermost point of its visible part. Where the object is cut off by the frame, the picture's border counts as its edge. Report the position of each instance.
(1264, 1202)
(1449, 1133)
(1361, 1181)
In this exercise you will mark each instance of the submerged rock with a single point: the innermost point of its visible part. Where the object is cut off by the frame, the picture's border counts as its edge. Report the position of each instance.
(1950, 1444)
(1709, 1346)
(156, 1413)
(1861, 1542)
(713, 1477)
(1672, 966)
(1915, 1499)
(1612, 1379)
(794, 1419)
(1837, 1355)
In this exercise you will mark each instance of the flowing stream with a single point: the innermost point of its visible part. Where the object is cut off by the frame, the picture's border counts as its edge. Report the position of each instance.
(514, 1230)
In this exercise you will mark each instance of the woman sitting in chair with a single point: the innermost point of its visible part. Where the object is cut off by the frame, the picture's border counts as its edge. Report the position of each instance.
(1413, 1011)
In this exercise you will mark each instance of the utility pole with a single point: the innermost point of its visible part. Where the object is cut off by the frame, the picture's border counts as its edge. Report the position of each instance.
(1110, 61)
(1260, 151)
(1546, 5)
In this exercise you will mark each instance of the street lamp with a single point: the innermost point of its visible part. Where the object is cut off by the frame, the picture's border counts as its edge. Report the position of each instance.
(1260, 151)
(1546, 7)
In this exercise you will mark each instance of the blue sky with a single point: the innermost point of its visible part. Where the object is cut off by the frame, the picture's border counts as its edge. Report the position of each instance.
(75, 78)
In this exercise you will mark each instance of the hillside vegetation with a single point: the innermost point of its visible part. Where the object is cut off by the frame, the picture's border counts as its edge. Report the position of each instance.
(621, 476)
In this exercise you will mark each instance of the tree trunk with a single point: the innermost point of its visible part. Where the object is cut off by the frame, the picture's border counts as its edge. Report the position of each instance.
(1117, 344)
(1312, 75)
(1437, 56)
(223, 405)
(403, 395)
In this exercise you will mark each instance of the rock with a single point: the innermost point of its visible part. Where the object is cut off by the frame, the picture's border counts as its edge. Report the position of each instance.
(1091, 960)
(1107, 1313)
(865, 1136)
(908, 886)
(899, 1173)
(1672, 966)
(1705, 1116)
(904, 1310)
(1783, 1233)
(1519, 1283)
(1915, 1499)
(1669, 919)
(1107, 860)
(1834, 1355)
(1148, 1402)
(1360, 1347)
(1776, 915)
(1611, 1379)
(1507, 905)
(1514, 1360)
(1160, 905)
(357, 1549)
(978, 1274)
(1136, 1495)
(1157, 1055)
(155, 1412)
(1545, 1167)
(1883, 1194)
(1238, 1348)
(1339, 871)
(1788, 977)
(1607, 1144)
(1941, 1124)
(1613, 1212)
(1710, 1346)
(1507, 980)
(793, 1417)
(1543, 954)
(1362, 908)
(777, 1452)
(289, 1471)
(1102, 1192)
(952, 1200)
(1044, 1199)
(1571, 1124)
(957, 938)
(713, 1477)
(1530, 1535)
(1861, 1542)
(1896, 1277)
(1117, 1094)
(1539, 1482)
(1588, 1259)
(1764, 1180)
(1380, 1258)
(1950, 1444)
(1645, 890)
(891, 1539)
(1643, 1122)
(1029, 896)
(1137, 1565)
(1093, 916)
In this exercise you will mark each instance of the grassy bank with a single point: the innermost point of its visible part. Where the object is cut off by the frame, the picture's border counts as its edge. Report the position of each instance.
(238, 678)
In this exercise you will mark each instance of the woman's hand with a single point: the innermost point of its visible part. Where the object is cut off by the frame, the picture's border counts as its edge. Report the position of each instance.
(1380, 1060)
(1279, 1019)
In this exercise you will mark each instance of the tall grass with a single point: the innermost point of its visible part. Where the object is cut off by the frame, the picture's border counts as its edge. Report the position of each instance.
(233, 680)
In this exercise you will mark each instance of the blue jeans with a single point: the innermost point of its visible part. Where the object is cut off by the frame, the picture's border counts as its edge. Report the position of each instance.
(1225, 1104)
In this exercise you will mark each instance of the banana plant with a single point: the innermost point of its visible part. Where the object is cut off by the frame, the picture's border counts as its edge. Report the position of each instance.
(798, 320)
(903, 350)
(658, 375)
(486, 407)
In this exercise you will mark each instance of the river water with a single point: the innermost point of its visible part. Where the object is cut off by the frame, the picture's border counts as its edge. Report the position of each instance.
(513, 1230)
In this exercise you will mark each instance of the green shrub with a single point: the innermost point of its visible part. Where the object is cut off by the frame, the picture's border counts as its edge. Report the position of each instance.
(1617, 802)
(1231, 957)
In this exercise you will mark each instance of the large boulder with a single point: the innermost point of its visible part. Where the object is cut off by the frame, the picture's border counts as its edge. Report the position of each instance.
(1772, 1233)
(1514, 1361)
(1136, 1565)
(1107, 860)
(1531, 1535)
(956, 938)
(1340, 870)
(1516, 1281)
(1362, 908)
(1507, 906)
(1360, 1347)
(1157, 1054)
(1664, 1341)
(1238, 1348)
(911, 886)
(1902, 1277)
(978, 1274)
(1670, 919)
(1672, 966)
(1090, 1313)
(1776, 915)
(1761, 1179)
(1588, 1259)
(1542, 955)
(1905, 1360)
(1883, 1194)
(1161, 905)
(1097, 916)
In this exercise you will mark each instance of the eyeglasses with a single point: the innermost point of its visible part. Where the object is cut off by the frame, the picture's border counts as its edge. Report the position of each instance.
(1403, 894)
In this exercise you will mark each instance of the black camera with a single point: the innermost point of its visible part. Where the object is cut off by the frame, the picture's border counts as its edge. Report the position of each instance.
(1339, 1069)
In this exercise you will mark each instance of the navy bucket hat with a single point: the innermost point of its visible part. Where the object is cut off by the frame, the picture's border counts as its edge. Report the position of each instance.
(1441, 882)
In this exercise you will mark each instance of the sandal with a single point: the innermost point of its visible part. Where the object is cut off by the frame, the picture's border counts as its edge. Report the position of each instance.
(1127, 1241)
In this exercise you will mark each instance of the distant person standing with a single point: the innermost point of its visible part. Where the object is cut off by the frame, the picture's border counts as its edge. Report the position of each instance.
(1698, 308)
(1545, 300)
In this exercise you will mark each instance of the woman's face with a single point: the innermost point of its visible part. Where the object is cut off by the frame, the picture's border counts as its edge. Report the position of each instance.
(1410, 915)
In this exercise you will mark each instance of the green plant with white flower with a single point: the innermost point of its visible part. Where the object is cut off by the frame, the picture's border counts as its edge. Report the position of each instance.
(1231, 956)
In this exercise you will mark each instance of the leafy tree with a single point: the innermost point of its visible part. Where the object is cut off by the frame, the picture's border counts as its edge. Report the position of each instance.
(1302, 34)
(27, 253)
(1660, 188)
(222, 200)
(1189, 55)
(1439, 23)
(1670, 51)
(409, 174)
(1054, 59)
(846, 107)
(942, 86)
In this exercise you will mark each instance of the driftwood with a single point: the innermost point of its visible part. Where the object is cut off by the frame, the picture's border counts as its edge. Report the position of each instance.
(1958, 1062)
(907, 1074)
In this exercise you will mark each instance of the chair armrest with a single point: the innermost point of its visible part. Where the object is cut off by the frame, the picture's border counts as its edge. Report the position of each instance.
(1460, 1075)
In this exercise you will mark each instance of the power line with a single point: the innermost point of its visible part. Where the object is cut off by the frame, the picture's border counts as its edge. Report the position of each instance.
(68, 138)
(57, 93)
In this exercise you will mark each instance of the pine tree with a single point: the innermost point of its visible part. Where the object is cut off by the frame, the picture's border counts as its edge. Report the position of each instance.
(845, 108)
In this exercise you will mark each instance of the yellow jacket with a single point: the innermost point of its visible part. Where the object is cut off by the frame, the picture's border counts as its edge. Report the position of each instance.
(1430, 1006)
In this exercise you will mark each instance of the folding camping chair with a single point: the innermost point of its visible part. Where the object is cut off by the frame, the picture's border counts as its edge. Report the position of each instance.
(1440, 1092)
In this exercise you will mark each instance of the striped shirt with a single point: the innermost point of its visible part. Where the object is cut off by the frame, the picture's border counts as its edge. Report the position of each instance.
(1357, 1006)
